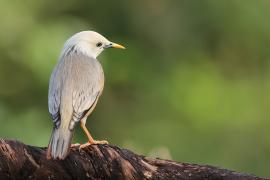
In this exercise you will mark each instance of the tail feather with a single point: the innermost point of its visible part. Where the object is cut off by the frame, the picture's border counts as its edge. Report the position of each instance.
(60, 142)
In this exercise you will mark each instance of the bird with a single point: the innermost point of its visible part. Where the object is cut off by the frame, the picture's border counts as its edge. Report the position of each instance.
(76, 83)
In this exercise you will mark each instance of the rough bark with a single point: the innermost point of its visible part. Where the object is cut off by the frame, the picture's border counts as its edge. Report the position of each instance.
(20, 161)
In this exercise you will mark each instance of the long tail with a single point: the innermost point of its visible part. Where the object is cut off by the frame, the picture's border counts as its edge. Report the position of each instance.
(60, 142)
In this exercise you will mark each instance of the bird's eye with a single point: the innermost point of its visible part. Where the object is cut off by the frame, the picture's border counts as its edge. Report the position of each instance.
(99, 44)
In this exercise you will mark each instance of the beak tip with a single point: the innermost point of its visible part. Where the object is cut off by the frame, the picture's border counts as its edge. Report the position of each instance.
(118, 46)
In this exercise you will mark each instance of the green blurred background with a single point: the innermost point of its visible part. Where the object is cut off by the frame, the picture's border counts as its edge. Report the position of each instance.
(193, 84)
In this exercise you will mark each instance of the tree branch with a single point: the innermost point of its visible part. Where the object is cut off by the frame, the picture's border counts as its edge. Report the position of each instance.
(20, 161)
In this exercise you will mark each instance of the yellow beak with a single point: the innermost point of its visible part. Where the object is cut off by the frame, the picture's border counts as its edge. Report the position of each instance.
(118, 46)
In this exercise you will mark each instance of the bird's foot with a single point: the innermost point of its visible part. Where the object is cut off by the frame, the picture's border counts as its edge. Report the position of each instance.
(75, 145)
(100, 142)
(92, 142)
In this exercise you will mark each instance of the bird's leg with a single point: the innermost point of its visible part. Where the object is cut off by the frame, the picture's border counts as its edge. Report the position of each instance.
(90, 139)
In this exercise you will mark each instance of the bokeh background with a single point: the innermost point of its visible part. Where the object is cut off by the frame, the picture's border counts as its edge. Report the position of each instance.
(193, 84)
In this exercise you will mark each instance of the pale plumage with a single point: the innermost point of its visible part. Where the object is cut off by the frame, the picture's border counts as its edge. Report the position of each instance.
(75, 86)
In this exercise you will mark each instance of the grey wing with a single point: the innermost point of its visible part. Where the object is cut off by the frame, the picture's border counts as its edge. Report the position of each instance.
(54, 98)
(82, 103)
(89, 85)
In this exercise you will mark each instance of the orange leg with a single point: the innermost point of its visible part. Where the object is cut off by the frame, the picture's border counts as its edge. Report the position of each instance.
(90, 139)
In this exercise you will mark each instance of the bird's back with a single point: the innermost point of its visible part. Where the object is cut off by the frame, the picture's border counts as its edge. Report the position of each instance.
(76, 80)
(76, 83)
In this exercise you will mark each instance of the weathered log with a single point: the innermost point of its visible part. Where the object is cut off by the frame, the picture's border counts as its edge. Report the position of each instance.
(20, 161)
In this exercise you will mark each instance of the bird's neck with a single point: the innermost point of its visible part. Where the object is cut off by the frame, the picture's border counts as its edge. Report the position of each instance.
(79, 48)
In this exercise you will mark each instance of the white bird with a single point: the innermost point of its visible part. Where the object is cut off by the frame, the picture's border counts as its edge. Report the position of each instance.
(75, 86)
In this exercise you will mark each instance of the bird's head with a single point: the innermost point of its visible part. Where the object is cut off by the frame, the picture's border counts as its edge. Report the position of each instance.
(90, 43)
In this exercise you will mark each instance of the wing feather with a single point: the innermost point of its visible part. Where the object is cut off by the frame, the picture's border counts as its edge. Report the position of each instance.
(77, 81)
(54, 98)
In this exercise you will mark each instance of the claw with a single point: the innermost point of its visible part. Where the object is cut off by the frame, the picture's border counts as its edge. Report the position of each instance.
(90, 143)
(75, 145)
(101, 142)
